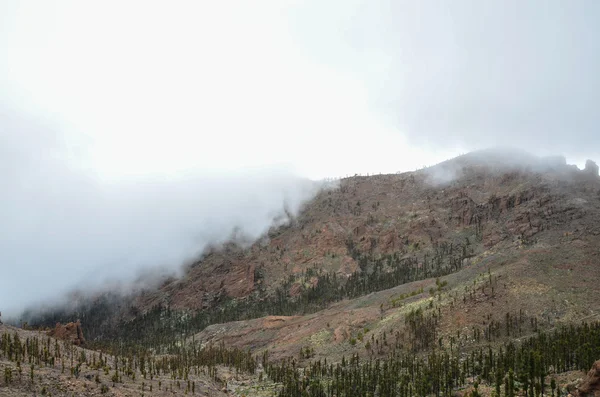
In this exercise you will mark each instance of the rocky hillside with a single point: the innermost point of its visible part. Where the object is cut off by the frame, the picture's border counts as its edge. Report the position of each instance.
(384, 230)
(487, 204)
(477, 253)
(32, 363)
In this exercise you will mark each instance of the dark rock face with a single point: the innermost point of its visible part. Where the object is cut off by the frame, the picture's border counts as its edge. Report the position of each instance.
(591, 168)
(69, 332)
(591, 384)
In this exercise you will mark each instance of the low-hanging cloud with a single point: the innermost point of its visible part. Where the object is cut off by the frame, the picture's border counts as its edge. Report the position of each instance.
(62, 228)
(468, 73)
(495, 160)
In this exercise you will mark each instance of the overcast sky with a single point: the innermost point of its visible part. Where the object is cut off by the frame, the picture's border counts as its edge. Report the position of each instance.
(134, 132)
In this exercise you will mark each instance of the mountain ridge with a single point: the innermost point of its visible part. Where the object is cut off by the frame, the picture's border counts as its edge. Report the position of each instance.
(382, 214)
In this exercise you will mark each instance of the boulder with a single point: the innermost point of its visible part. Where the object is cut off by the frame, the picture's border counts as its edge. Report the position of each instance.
(591, 384)
(69, 332)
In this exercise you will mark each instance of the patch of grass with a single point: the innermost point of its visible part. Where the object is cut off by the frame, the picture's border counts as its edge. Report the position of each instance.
(394, 302)
(320, 338)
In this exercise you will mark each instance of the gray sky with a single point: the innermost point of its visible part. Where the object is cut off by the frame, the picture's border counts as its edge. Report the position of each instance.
(134, 133)
(467, 72)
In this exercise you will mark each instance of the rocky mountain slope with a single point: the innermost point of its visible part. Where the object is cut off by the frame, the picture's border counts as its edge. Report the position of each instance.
(486, 201)
(472, 206)
(479, 251)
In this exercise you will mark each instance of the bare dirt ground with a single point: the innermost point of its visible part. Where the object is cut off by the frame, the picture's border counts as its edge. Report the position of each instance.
(53, 381)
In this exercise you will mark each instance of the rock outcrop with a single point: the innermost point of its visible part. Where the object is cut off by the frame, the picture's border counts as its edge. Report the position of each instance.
(69, 332)
(590, 387)
(591, 168)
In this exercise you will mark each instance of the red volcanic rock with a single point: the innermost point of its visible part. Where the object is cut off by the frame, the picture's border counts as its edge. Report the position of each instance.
(591, 384)
(295, 290)
(69, 332)
(239, 281)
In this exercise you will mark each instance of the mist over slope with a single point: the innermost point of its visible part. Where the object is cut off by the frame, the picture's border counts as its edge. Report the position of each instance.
(64, 228)
(372, 233)
(498, 160)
